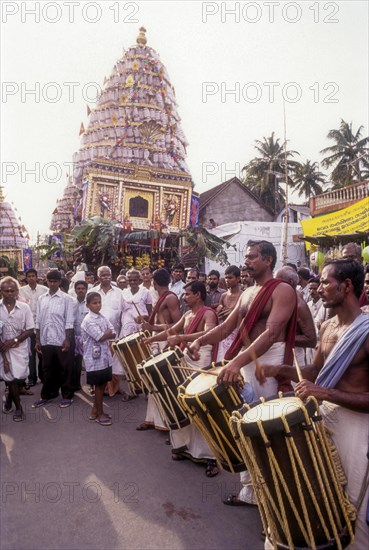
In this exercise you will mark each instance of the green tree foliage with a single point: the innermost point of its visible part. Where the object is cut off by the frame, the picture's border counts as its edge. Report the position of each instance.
(349, 156)
(265, 173)
(307, 179)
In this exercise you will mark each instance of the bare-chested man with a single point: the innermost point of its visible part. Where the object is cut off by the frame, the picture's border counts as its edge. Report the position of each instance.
(339, 376)
(229, 299)
(264, 313)
(165, 313)
(270, 328)
(305, 331)
(195, 322)
(228, 302)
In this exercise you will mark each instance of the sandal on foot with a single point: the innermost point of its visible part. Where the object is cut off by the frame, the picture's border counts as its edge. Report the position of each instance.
(18, 416)
(65, 403)
(104, 421)
(211, 469)
(128, 396)
(178, 456)
(143, 427)
(93, 416)
(8, 407)
(40, 403)
(25, 391)
(233, 500)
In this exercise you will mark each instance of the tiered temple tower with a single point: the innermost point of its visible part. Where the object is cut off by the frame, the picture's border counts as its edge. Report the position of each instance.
(131, 166)
(13, 236)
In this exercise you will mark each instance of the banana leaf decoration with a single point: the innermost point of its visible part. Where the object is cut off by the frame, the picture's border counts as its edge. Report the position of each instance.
(150, 131)
(206, 245)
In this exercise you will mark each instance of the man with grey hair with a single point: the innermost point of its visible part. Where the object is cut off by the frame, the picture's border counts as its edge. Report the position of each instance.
(352, 251)
(16, 326)
(305, 331)
(112, 303)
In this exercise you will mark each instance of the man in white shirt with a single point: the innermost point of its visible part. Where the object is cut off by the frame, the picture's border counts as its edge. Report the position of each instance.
(31, 293)
(16, 326)
(177, 283)
(54, 332)
(137, 304)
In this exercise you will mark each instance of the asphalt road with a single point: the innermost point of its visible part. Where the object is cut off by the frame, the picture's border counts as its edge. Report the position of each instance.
(68, 483)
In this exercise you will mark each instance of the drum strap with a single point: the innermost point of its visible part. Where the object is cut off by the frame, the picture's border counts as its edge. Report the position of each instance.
(253, 315)
(157, 306)
(193, 327)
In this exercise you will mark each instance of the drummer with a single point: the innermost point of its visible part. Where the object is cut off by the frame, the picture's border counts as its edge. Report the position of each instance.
(339, 377)
(265, 315)
(195, 322)
(165, 313)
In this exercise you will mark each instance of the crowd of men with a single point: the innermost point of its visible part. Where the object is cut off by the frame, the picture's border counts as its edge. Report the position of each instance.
(254, 318)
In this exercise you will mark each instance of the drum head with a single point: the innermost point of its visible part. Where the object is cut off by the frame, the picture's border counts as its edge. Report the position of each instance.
(202, 382)
(271, 412)
(165, 356)
(130, 337)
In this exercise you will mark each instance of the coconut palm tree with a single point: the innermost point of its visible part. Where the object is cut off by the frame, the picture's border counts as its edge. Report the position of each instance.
(263, 174)
(307, 179)
(349, 156)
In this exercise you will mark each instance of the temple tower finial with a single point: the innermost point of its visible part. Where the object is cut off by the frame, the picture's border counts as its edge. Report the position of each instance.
(141, 39)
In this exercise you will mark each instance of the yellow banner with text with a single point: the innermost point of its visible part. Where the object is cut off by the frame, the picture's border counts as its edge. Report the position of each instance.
(349, 220)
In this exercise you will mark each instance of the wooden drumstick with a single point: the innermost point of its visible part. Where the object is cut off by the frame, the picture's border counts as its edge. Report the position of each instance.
(192, 369)
(298, 369)
(138, 311)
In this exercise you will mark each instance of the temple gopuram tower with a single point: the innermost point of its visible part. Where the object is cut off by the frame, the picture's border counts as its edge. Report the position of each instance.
(131, 166)
(13, 238)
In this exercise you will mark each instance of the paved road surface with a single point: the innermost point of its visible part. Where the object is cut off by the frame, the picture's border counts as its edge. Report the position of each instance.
(68, 483)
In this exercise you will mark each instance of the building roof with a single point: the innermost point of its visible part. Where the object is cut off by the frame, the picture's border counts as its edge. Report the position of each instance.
(208, 196)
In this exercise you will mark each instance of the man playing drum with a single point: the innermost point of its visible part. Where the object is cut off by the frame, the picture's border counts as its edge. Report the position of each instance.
(339, 377)
(266, 317)
(165, 313)
(198, 320)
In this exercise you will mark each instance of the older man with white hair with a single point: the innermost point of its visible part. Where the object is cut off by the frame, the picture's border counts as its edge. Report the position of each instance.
(306, 337)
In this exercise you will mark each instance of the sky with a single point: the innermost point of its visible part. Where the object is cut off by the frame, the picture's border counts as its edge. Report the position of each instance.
(235, 67)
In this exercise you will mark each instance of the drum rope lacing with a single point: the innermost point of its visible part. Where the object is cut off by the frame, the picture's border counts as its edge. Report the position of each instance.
(218, 446)
(267, 501)
(143, 350)
(166, 405)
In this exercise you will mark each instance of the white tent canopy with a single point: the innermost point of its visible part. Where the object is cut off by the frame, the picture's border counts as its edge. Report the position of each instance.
(239, 233)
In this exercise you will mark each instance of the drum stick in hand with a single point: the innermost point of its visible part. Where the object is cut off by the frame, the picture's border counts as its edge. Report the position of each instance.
(298, 369)
(138, 311)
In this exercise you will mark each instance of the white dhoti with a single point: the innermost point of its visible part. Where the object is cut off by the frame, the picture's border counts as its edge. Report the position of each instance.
(18, 359)
(350, 434)
(301, 356)
(274, 356)
(189, 439)
(154, 416)
(225, 344)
